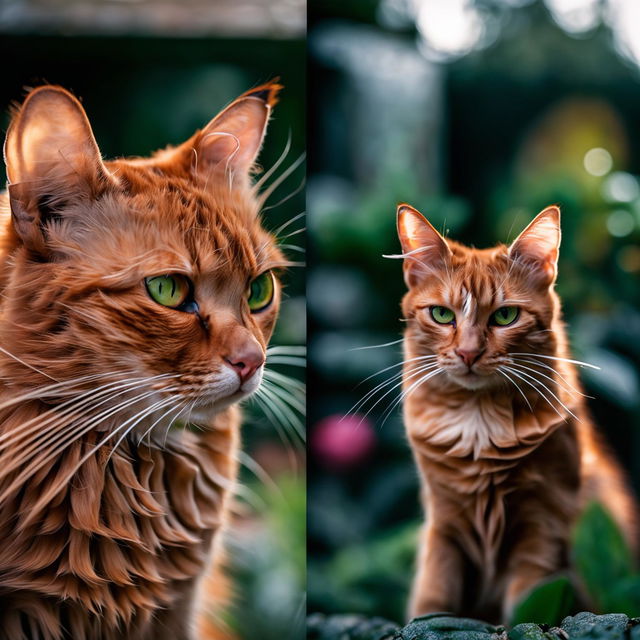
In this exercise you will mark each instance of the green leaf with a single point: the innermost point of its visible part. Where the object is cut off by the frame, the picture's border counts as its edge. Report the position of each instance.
(601, 555)
(624, 597)
(547, 603)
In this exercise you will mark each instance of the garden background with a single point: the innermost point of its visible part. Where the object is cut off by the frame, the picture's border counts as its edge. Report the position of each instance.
(479, 114)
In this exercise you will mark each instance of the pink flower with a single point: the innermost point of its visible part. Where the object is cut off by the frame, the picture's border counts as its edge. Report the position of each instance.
(341, 441)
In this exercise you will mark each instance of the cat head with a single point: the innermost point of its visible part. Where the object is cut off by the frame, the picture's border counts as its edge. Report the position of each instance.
(470, 308)
(155, 272)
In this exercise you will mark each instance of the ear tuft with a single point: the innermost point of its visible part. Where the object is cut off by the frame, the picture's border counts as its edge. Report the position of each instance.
(538, 246)
(267, 92)
(424, 249)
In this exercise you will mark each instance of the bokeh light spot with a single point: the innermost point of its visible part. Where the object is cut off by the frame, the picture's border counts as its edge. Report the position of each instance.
(620, 223)
(450, 28)
(575, 16)
(598, 161)
(621, 187)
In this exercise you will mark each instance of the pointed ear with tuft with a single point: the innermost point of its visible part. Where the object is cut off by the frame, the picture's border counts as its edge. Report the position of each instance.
(230, 143)
(538, 246)
(52, 158)
(424, 250)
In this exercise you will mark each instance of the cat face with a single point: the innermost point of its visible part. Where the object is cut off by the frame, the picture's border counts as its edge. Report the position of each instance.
(471, 308)
(151, 270)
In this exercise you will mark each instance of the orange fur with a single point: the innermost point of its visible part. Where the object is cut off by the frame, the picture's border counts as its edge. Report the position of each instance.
(505, 471)
(105, 541)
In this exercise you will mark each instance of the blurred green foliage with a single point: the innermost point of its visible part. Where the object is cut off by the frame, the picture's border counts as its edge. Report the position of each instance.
(548, 603)
(605, 563)
(268, 563)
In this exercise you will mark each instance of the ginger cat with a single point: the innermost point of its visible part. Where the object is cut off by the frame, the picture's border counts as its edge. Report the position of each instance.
(138, 297)
(499, 430)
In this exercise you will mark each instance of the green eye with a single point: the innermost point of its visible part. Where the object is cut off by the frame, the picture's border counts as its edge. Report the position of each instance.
(442, 315)
(505, 316)
(170, 291)
(260, 292)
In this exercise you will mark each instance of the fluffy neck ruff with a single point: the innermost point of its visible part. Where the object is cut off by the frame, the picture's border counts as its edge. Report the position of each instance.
(120, 542)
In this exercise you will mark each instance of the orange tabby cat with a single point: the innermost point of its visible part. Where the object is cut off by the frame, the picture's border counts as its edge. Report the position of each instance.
(499, 429)
(138, 297)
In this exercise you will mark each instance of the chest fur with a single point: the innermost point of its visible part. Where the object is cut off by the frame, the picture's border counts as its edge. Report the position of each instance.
(124, 538)
(472, 427)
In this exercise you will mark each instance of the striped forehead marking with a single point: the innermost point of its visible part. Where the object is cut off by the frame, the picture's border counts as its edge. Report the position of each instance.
(467, 303)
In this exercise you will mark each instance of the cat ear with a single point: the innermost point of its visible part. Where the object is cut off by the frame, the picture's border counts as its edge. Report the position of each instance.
(424, 250)
(230, 143)
(538, 245)
(51, 158)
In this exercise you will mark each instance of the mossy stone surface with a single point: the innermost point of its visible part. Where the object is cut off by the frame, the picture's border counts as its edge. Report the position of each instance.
(585, 625)
(444, 626)
(349, 627)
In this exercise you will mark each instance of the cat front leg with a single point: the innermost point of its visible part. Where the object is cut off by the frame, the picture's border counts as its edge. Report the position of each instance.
(438, 582)
(536, 556)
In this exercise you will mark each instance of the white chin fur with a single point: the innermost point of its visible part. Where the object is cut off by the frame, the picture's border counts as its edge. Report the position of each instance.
(226, 392)
(473, 381)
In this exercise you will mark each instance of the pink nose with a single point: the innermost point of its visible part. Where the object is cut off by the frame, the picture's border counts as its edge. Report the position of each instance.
(247, 361)
(469, 356)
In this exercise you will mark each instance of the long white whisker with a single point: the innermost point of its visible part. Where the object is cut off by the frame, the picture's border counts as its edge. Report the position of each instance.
(546, 366)
(290, 416)
(290, 360)
(282, 227)
(519, 375)
(264, 196)
(420, 370)
(48, 391)
(35, 444)
(67, 438)
(166, 433)
(279, 424)
(71, 406)
(516, 362)
(427, 358)
(294, 193)
(515, 384)
(151, 409)
(292, 247)
(276, 164)
(293, 233)
(287, 381)
(415, 385)
(258, 471)
(164, 415)
(289, 398)
(377, 346)
(136, 418)
(538, 355)
(288, 350)
(542, 384)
